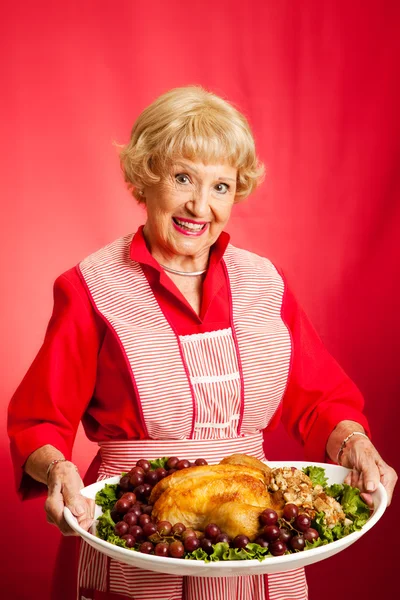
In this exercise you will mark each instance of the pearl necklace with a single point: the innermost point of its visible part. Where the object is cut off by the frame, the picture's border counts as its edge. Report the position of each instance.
(184, 273)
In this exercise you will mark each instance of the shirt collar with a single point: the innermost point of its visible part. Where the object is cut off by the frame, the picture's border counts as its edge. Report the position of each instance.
(140, 253)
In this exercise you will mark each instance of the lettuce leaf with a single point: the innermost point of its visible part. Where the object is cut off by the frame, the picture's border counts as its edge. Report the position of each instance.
(107, 497)
(318, 523)
(158, 462)
(222, 551)
(335, 491)
(354, 506)
(317, 475)
(105, 530)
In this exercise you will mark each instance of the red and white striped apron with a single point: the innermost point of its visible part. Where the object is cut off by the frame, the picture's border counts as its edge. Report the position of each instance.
(203, 395)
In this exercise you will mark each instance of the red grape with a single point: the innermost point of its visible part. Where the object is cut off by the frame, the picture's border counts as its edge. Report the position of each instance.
(189, 532)
(191, 544)
(161, 549)
(147, 489)
(200, 462)
(302, 522)
(137, 471)
(130, 518)
(129, 540)
(135, 509)
(115, 516)
(222, 537)
(212, 531)
(137, 532)
(297, 542)
(284, 535)
(130, 496)
(277, 548)
(151, 477)
(136, 479)
(121, 528)
(311, 534)
(206, 545)
(164, 527)
(261, 542)
(268, 517)
(122, 506)
(161, 473)
(139, 490)
(143, 519)
(172, 462)
(149, 529)
(290, 511)
(178, 529)
(170, 471)
(182, 464)
(176, 549)
(124, 483)
(146, 547)
(271, 532)
(240, 541)
(143, 464)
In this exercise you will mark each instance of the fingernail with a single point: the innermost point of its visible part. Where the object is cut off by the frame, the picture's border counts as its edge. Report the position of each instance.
(370, 486)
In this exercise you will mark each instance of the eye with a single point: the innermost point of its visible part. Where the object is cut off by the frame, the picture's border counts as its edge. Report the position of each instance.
(222, 188)
(182, 178)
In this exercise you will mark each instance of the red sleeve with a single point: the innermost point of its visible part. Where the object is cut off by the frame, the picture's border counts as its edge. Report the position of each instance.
(50, 401)
(319, 394)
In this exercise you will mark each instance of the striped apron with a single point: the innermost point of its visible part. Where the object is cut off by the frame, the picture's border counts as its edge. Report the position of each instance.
(201, 396)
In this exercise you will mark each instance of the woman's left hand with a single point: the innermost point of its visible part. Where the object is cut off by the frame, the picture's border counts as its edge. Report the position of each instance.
(367, 468)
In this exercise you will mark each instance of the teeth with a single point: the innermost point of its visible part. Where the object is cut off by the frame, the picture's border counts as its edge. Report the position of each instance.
(187, 225)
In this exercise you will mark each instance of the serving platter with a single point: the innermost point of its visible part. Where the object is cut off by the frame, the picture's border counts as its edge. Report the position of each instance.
(271, 564)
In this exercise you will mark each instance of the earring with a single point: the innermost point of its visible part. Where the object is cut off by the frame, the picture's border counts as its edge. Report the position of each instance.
(141, 192)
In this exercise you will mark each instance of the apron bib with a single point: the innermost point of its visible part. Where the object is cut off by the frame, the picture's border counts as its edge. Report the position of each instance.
(201, 396)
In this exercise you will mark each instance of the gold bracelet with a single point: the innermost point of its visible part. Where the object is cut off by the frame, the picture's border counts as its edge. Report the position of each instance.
(54, 462)
(346, 439)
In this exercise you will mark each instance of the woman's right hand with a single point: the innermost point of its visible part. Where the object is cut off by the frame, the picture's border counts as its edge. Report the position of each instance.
(64, 485)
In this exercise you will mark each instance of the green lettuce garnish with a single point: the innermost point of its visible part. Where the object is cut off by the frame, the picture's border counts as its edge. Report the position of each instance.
(158, 462)
(222, 551)
(335, 491)
(107, 497)
(354, 506)
(317, 475)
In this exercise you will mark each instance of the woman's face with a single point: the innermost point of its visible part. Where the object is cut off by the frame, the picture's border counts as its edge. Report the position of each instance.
(188, 209)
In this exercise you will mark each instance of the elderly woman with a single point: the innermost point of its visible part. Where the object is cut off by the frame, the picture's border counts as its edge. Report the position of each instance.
(171, 341)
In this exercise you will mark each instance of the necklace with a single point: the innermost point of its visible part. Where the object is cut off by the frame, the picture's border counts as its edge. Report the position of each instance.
(184, 273)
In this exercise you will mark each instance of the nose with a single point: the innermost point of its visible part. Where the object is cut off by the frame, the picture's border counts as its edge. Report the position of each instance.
(199, 204)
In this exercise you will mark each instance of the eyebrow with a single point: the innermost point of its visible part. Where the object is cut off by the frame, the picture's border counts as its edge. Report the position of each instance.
(185, 166)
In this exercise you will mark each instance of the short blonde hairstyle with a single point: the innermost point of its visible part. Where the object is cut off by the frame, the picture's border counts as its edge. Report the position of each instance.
(190, 122)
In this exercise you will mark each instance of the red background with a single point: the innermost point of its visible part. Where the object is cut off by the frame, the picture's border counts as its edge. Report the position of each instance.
(318, 83)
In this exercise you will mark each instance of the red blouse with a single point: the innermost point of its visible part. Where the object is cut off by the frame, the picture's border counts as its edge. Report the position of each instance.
(80, 372)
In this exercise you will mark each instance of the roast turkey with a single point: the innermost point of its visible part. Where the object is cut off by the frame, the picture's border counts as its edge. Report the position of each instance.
(232, 495)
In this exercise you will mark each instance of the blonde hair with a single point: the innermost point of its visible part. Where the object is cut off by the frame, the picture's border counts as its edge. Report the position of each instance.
(192, 123)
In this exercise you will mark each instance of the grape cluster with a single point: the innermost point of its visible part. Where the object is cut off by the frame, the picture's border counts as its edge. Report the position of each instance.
(132, 512)
(288, 533)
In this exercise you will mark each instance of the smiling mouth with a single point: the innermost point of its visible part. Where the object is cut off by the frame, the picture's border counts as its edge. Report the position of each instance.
(190, 226)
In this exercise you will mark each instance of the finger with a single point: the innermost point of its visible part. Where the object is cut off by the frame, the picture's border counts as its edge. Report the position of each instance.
(368, 499)
(355, 478)
(54, 507)
(80, 507)
(347, 479)
(388, 479)
(86, 524)
(371, 476)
